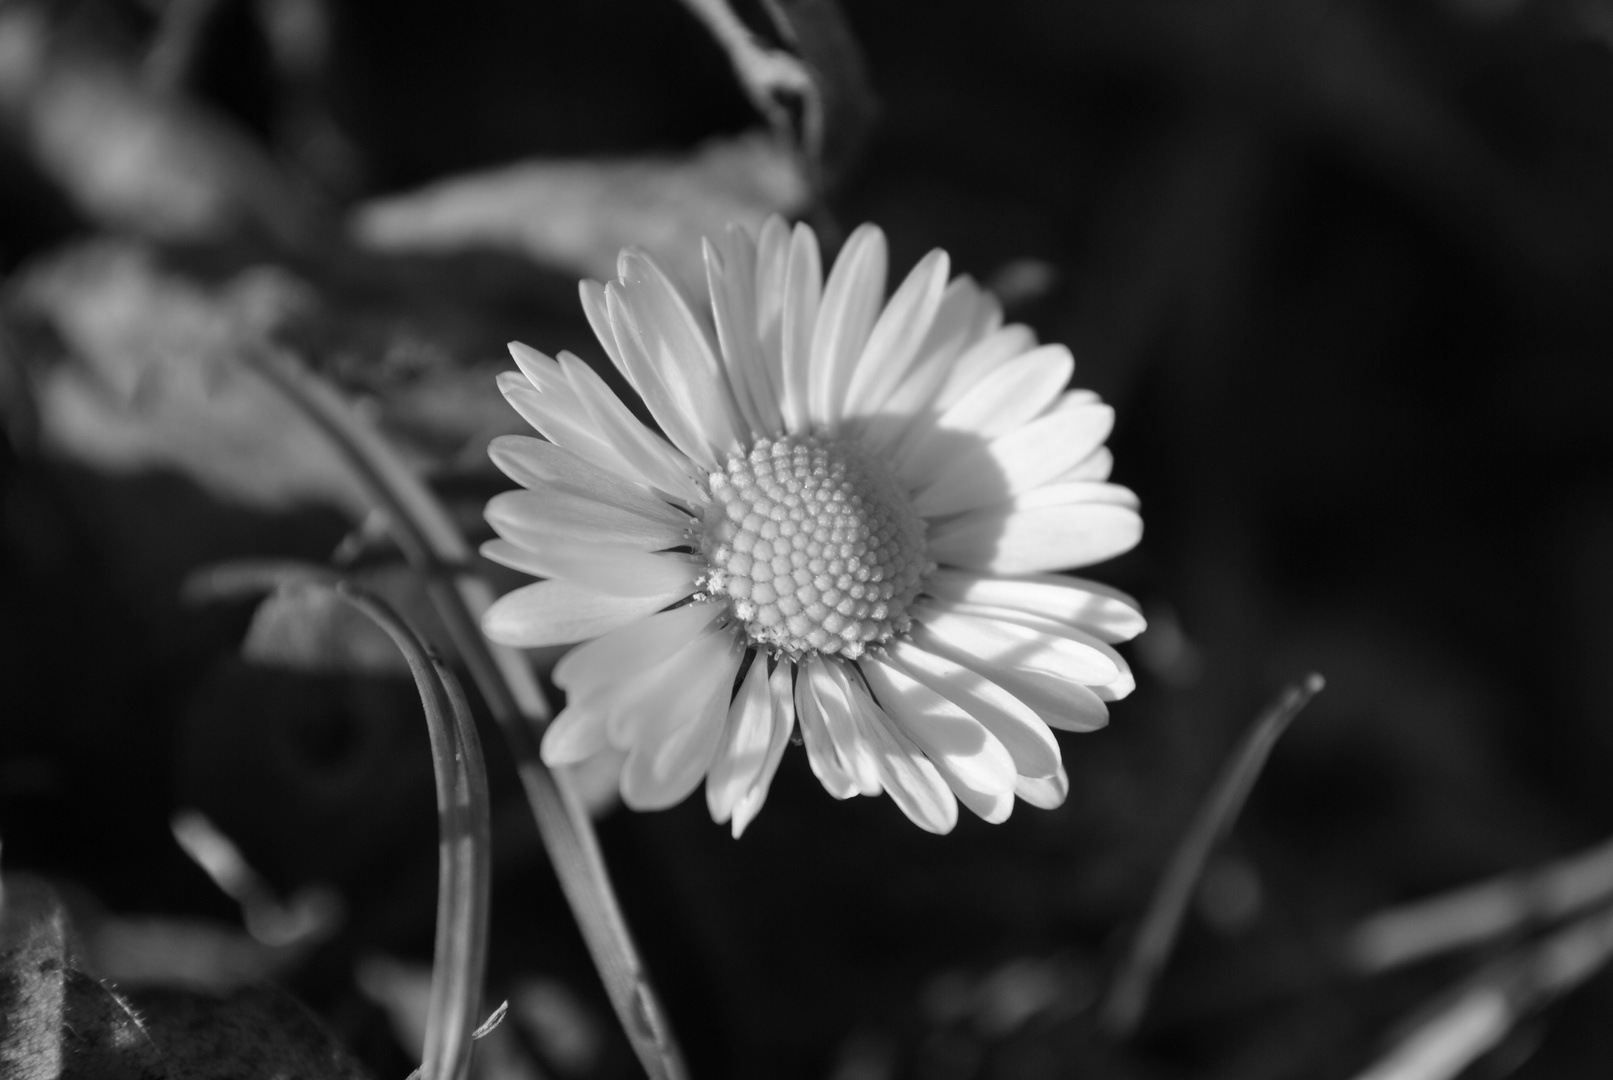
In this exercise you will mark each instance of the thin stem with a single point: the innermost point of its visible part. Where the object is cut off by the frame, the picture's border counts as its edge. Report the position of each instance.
(1128, 993)
(431, 543)
(1482, 912)
(465, 850)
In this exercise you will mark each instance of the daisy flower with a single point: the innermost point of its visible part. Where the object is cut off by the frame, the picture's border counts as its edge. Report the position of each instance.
(847, 527)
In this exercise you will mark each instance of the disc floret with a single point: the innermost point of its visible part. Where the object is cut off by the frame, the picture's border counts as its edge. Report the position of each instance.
(815, 546)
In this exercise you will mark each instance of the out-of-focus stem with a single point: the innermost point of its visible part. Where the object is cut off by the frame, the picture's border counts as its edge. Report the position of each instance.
(1475, 1017)
(1482, 912)
(433, 546)
(1128, 993)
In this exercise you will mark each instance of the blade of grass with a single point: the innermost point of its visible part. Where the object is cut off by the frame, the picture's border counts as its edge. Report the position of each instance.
(1128, 993)
(434, 547)
(463, 873)
(1483, 911)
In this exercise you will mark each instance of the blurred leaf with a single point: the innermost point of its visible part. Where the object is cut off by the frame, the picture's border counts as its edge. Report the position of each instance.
(152, 379)
(840, 107)
(577, 215)
(151, 163)
(312, 630)
(818, 96)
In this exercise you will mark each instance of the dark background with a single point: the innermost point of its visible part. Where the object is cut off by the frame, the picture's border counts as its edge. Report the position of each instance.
(1344, 269)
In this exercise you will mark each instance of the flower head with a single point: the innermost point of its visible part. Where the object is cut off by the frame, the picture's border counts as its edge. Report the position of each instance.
(848, 526)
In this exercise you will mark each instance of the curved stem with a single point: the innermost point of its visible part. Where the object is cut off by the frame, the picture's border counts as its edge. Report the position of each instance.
(432, 544)
(465, 848)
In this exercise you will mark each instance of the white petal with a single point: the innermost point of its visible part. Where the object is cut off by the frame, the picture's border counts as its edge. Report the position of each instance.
(911, 779)
(510, 554)
(540, 369)
(1046, 793)
(1060, 703)
(1097, 466)
(966, 315)
(905, 410)
(672, 754)
(557, 514)
(803, 290)
(635, 703)
(657, 461)
(1007, 540)
(894, 343)
(1000, 643)
(851, 302)
(576, 734)
(746, 740)
(976, 766)
(680, 350)
(1074, 399)
(1015, 724)
(559, 417)
(535, 464)
(597, 309)
(636, 647)
(1110, 689)
(1006, 399)
(781, 688)
(1025, 458)
(1107, 613)
(621, 708)
(956, 323)
(664, 392)
(772, 268)
(982, 358)
(731, 278)
(555, 612)
(1013, 394)
(835, 706)
(820, 748)
(615, 569)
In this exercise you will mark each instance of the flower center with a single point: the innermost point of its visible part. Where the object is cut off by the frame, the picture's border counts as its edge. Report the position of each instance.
(815, 545)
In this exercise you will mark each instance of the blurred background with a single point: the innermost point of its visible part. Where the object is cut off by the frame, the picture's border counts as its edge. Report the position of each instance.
(1344, 267)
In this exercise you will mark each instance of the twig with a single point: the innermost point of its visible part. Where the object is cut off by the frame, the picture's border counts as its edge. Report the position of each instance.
(1482, 912)
(465, 849)
(432, 544)
(1477, 1016)
(1128, 993)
